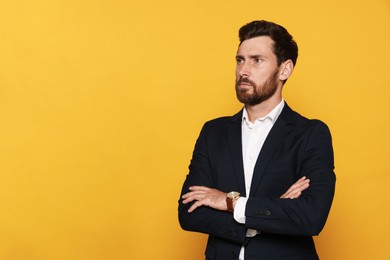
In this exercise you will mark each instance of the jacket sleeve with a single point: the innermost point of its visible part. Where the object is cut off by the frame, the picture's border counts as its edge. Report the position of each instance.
(307, 214)
(204, 219)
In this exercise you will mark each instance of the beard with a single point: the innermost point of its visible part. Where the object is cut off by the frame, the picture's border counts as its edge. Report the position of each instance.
(260, 92)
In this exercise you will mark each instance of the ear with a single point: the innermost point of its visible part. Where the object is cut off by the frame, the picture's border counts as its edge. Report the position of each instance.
(286, 69)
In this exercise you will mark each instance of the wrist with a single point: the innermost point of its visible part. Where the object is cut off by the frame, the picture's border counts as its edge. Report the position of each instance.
(231, 200)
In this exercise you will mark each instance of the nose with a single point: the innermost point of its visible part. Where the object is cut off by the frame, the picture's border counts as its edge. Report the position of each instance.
(243, 70)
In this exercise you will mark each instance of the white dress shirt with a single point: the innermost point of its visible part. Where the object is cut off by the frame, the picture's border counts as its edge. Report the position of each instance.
(253, 137)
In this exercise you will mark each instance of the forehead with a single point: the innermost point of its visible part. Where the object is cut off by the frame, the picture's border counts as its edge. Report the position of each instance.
(261, 45)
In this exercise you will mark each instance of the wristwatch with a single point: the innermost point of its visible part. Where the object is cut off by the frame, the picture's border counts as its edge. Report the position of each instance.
(231, 197)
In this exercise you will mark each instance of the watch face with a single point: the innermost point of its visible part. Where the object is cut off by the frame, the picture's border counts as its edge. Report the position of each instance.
(233, 194)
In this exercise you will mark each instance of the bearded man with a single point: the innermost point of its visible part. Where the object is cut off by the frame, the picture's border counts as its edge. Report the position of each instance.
(261, 182)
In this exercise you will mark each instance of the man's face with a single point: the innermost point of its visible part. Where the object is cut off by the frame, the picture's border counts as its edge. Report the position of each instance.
(257, 71)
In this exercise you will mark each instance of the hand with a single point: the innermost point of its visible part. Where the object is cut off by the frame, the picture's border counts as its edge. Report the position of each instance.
(205, 196)
(296, 189)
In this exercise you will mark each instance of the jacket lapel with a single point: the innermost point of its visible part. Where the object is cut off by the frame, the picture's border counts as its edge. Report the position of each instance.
(234, 140)
(279, 131)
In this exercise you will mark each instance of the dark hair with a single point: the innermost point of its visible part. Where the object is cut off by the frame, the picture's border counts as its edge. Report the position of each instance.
(285, 47)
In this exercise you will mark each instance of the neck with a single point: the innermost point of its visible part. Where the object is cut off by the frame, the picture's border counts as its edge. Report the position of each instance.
(262, 109)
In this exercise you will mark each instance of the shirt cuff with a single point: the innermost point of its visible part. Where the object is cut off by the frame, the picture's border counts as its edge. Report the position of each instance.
(239, 210)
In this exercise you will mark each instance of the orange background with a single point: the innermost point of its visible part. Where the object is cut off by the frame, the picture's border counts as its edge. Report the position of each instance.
(101, 103)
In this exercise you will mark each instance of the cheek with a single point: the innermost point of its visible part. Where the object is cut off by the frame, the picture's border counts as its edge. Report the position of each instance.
(257, 79)
(237, 74)
(260, 78)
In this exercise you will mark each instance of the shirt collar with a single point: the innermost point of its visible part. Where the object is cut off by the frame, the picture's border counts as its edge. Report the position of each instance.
(273, 115)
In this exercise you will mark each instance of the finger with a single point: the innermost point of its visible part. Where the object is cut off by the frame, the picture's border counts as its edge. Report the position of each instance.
(194, 193)
(192, 197)
(300, 181)
(295, 195)
(301, 187)
(195, 206)
(188, 200)
(199, 188)
(302, 184)
(297, 190)
(291, 193)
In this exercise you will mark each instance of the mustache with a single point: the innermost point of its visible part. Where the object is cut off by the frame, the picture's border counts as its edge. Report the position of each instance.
(245, 80)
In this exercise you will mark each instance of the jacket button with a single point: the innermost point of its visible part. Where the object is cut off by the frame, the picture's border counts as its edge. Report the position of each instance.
(262, 212)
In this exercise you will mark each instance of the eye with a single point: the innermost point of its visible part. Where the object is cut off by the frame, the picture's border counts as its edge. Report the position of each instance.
(239, 60)
(258, 60)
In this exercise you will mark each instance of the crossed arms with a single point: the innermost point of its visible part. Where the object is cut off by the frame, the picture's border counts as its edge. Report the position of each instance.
(216, 199)
(301, 209)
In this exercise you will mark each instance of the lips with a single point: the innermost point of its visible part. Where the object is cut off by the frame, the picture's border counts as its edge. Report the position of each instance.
(245, 82)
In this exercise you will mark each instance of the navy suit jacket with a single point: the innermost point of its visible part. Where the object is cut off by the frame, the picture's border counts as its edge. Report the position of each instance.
(295, 147)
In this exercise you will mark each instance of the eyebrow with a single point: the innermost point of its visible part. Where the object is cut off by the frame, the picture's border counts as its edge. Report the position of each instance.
(257, 56)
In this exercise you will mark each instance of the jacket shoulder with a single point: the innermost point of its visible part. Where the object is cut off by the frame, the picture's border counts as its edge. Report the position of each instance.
(304, 121)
